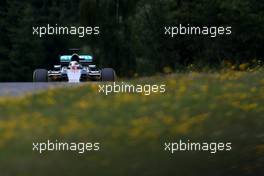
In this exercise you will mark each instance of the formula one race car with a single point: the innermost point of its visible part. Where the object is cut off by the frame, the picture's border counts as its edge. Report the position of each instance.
(74, 68)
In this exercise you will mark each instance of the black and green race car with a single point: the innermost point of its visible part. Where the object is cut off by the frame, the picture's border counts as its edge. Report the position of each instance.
(74, 68)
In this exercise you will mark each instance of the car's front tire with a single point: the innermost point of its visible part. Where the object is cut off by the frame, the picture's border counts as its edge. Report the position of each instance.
(108, 75)
(40, 75)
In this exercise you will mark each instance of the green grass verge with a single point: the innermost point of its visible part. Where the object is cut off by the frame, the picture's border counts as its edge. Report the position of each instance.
(132, 128)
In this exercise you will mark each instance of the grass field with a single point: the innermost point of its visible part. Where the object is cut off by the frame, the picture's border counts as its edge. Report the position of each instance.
(132, 128)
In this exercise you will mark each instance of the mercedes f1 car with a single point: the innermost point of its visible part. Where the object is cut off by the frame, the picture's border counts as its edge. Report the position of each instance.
(74, 68)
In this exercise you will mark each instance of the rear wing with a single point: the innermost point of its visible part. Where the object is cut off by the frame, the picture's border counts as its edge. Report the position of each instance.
(84, 59)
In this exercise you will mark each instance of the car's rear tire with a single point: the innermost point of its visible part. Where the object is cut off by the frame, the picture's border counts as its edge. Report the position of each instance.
(40, 75)
(108, 75)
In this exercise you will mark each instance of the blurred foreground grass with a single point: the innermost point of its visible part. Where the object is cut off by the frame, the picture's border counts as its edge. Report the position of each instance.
(132, 128)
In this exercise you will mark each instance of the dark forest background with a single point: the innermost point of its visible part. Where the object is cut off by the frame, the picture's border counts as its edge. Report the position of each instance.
(132, 36)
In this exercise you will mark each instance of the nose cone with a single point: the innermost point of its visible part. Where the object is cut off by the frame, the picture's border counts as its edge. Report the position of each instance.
(74, 75)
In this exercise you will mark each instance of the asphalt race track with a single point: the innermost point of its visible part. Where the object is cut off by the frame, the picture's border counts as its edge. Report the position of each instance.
(17, 89)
